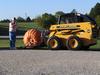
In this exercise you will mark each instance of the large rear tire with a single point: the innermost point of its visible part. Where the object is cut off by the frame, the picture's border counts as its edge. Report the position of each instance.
(54, 43)
(74, 43)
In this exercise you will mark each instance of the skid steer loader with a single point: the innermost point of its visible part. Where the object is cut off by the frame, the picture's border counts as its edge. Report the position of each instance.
(73, 31)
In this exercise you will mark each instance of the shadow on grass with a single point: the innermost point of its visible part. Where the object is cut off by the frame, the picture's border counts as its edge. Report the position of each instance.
(45, 48)
(90, 49)
(23, 48)
(94, 49)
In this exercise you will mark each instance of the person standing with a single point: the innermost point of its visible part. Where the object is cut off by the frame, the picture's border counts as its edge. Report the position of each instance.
(12, 33)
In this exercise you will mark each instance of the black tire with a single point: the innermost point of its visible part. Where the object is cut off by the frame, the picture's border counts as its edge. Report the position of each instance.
(74, 43)
(56, 43)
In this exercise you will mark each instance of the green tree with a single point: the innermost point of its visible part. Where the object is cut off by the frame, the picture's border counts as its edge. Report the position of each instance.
(38, 20)
(98, 20)
(5, 20)
(28, 19)
(46, 20)
(33, 20)
(20, 19)
(92, 13)
(95, 11)
(59, 13)
(74, 11)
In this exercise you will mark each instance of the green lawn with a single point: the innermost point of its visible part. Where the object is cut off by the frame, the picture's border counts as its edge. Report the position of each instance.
(19, 43)
(97, 46)
(5, 43)
(22, 27)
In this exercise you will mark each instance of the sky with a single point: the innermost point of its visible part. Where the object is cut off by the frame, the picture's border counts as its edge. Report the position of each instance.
(33, 8)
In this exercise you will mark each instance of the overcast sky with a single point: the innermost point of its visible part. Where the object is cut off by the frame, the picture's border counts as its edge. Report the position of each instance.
(33, 8)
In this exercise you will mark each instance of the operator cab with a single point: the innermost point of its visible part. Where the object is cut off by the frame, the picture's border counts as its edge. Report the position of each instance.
(75, 18)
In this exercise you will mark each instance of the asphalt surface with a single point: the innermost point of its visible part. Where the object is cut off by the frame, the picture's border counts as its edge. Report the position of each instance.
(6, 37)
(47, 62)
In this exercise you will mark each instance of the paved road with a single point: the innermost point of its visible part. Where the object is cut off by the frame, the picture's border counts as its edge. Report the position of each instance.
(6, 37)
(47, 62)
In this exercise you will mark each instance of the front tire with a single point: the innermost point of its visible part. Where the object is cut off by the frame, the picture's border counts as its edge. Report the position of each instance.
(54, 43)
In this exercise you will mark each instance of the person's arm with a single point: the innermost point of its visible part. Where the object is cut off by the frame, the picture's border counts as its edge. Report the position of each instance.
(14, 26)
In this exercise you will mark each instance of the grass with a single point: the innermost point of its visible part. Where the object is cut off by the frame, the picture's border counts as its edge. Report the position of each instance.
(19, 43)
(97, 46)
(5, 43)
(27, 25)
(22, 27)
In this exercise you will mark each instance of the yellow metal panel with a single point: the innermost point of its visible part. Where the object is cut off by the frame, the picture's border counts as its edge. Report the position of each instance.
(64, 31)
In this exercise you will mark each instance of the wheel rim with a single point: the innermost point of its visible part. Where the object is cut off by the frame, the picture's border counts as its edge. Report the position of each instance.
(53, 43)
(73, 43)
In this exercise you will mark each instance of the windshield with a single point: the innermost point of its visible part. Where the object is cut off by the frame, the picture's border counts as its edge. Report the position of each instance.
(76, 19)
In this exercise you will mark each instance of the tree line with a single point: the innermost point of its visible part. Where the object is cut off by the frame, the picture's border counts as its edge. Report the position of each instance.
(95, 13)
(19, 19)
(47, 19)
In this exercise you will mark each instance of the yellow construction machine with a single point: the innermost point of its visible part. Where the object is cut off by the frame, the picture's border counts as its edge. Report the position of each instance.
(73, 31)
